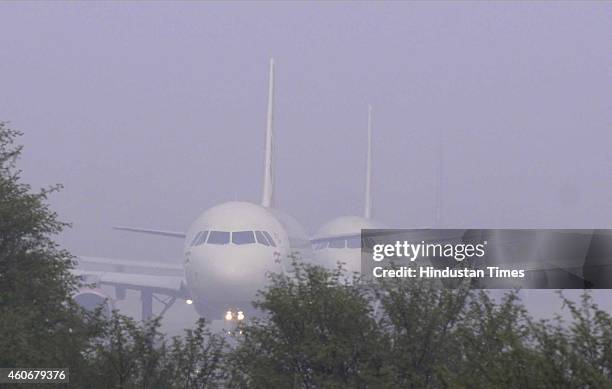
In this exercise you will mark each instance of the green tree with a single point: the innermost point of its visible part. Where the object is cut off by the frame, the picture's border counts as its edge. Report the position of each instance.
(132, 354)
(492, 346)
(576, 354)
(40, 325)
(196, 360)
(318, 332)
(127, 354)
(422, 320)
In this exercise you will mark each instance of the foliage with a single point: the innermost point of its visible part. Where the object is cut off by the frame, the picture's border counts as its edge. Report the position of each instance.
(319, 332)
(39, 323)
(137, 355)
(196, 360)
(318, 328)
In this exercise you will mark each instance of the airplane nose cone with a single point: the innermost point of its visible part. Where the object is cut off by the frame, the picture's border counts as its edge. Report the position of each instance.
(235, 271)
(230, 273)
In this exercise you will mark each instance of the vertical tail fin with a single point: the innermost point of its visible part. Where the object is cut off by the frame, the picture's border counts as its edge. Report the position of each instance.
(368, 186)
(268, 184)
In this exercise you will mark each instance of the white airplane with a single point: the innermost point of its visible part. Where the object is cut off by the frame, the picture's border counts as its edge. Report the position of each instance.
(228, 252)
(339, 240)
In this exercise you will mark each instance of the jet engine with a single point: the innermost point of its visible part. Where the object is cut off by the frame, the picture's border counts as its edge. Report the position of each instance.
(92, 298)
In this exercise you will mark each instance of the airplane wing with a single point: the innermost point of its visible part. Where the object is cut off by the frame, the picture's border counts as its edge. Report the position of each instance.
(158, 277)
(123, 265)
(166, 285)
(172, 234)
(148, 278)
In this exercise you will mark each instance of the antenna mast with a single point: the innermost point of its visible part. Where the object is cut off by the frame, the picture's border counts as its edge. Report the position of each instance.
(368, 186)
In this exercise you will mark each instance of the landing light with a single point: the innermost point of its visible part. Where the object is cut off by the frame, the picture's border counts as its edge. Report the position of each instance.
(189, 301)
(240, 315)
(228, 315)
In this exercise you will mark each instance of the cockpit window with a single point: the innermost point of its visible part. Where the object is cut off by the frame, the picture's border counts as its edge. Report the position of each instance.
(236, 237)
(202, 239)
(218, 237)
(243, 237)
(269, 238)
(261, 238)
(196, 238)
(354, 242)
(337, 244)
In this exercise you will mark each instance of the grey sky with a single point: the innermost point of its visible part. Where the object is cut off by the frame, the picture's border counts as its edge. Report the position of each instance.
(149, 113)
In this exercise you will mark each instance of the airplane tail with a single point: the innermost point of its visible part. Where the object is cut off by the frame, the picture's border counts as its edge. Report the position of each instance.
(268, 184)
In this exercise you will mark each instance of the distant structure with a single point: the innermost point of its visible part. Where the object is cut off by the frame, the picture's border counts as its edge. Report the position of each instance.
(438, 188)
